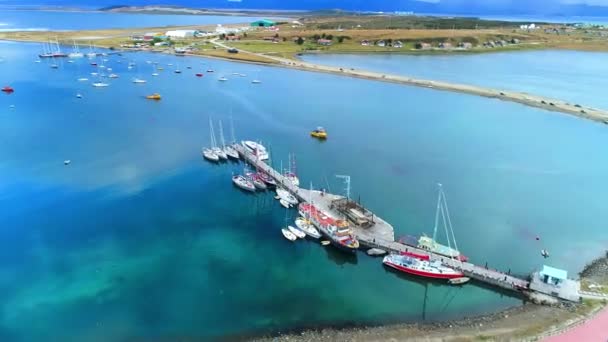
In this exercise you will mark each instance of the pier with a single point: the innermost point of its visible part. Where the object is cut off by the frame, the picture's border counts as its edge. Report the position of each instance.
(373, 232)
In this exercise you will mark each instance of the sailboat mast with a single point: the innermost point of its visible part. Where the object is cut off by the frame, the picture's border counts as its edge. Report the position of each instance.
(232, 128)
(211, 133)
(222, 135)
(445, 201)
(437, 213)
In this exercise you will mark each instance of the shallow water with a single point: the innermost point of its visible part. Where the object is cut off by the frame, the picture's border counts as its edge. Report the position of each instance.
(576, 76)
(139, 237)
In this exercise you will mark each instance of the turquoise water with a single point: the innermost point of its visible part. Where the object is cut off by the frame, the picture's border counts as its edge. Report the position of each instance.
(16, 20)
(139, 237)
(573, 76)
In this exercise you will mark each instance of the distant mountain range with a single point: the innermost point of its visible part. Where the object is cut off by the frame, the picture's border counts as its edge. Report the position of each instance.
(456, 7)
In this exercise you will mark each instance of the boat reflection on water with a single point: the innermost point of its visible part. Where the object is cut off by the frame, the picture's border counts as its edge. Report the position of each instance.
(339, 257)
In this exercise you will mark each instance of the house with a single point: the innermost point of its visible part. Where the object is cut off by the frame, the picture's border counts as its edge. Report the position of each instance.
(554, 282)
(381, 43)
(365, 42)
(422, 46)
(263, 23)
(161, 44)
(324, 42)
(445, 45)
(465, 45)
(137, 38)
(181, 34)
(233, 38)
(398, 44)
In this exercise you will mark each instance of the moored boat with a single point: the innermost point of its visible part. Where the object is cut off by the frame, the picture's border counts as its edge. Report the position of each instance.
(259, 184)
(243, 183)
(288, 235)
(459, 281)
(155, 96)
(256, 149)
(338, 231)
(300, 234)
(210, 155)
(8, 89)
(284, 203)
(231, 152)
(423, 268)
(100, 84)
(307, 227)
(285, 195)
(319, 133)
(267, 179)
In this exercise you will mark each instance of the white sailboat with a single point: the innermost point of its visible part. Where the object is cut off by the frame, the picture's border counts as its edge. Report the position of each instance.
(227, 149)
(256, 80)
(76, 52)
(91, 53)
(300, 234)
(218, 151)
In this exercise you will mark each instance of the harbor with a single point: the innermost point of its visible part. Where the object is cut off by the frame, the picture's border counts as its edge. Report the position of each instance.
(375, 233)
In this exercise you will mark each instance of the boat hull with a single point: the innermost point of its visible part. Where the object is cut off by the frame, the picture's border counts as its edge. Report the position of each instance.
(422, 273)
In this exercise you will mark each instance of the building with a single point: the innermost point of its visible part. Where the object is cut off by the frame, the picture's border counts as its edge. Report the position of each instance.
(324, 42)
(263, 23)
(181, 34)
(554, 282)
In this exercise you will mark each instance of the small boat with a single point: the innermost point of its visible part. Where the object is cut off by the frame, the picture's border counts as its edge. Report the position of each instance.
(319, 133)
(83, 79)
(94, 64)
(222, 79)
(155, 96)
(220, 153)
(259, 184)
(102, 66)
(177, 71)
(428, 269)
(138, 80)
(188, 67)
(231, 152)
(199, 75)
(100, 84)
(210, 155)
(288, 235)
(109, 69)
(256, 81)
(209, 70)
(8, 89)
(325, 242)
(267, 179)
(79, 96)
(70, 61)
(160, 68)
(243, 75)
(113, 76)
(284, 203)
(544, 253)
(170, 64)
(67, 162)
(243, 183)
(285, 195)
(307, 228)
(94, 74)
(235, 73)
(37, 61)
(300, 234)
(54, 66)
(258, 150)
(458, 281)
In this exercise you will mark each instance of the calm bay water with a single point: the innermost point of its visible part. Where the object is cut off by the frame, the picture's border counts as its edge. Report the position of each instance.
(15, 20)
(573, 76)
(139, 237)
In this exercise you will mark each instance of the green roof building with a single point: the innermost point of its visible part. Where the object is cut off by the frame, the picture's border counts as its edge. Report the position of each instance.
(263, 23)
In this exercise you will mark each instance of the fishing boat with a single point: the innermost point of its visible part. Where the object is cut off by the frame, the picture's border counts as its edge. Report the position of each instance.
(300, 234)
(307, 227)
(284, 203)
(257, 149)
(337, 231)
(155, 96)
(8, 89)
(423, 268)
(210, 155)
(430, 243)
(100, 84)
(319, 133)
(243, 183)
(285, 195)
(288, 235)
(138, 80)
(290, 174)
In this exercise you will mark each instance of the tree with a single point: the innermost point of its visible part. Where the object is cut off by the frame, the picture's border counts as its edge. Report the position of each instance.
(328, 37)
(284, 39)
(340, 39)
(323, 36)
(276, 35)
(245, 34)
(316, 37)
(222, 36)
(300, 41)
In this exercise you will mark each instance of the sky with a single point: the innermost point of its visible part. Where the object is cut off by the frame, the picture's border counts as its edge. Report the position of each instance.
(499, 7)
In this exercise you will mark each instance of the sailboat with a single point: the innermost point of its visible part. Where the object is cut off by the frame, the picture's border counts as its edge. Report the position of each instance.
(208, 153)
(228, 149)
(290, 174)
(91, 53)
(218, 151)
(431, 244)
(76, 52)
(304, 224)
(256, 80)
(177, 70)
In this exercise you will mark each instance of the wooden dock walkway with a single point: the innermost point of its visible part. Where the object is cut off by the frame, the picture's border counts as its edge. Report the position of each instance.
(384, 240)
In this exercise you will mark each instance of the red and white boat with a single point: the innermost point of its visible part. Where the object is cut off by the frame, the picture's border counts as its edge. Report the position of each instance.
(338, 231)
(423, 268)
(8, 89)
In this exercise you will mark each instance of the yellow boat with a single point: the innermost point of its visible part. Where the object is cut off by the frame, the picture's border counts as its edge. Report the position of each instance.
(319, 133)
(155, 96)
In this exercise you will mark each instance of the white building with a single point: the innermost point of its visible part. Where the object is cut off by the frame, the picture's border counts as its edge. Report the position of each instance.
(180, 34)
